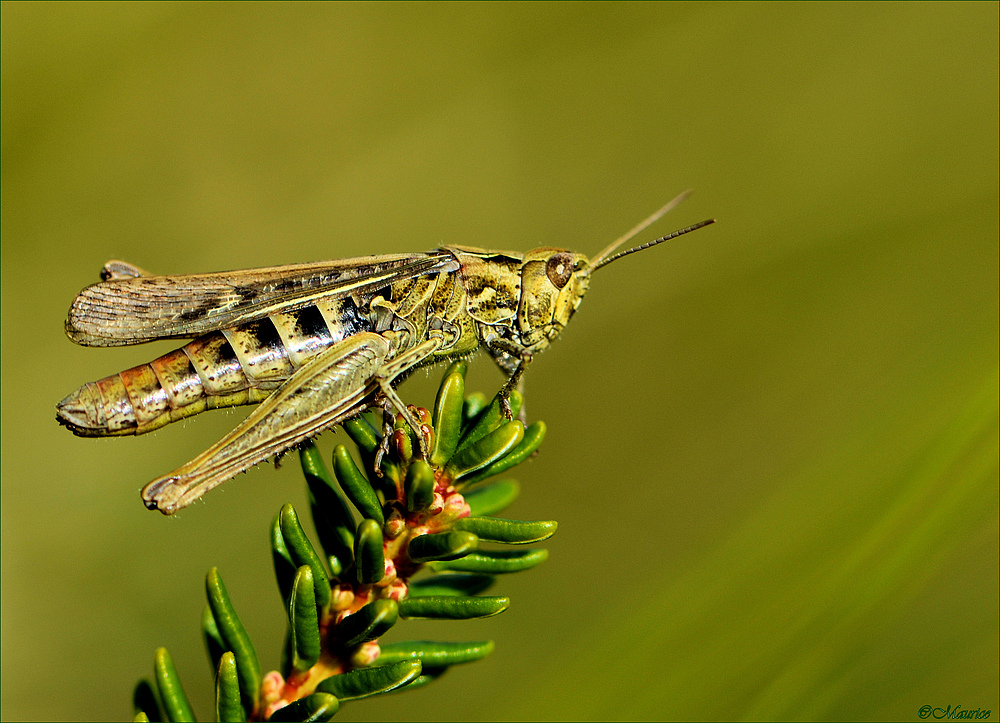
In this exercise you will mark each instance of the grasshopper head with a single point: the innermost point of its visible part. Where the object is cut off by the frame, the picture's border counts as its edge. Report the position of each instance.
(553, 282)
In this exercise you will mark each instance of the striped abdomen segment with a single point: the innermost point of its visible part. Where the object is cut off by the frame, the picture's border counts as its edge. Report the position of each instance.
(226, 368)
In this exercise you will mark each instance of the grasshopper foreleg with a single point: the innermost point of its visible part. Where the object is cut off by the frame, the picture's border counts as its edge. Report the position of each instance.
(515, 381)
(505, 352)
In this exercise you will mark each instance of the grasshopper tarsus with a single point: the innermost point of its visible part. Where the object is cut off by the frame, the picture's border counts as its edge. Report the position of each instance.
(508, 413)
(383, 445)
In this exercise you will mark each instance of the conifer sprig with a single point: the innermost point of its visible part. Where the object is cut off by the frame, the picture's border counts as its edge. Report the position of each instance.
(378, 530)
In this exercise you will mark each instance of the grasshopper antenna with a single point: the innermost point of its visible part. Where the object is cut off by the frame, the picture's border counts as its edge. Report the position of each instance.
(605, 257)
(674, 234)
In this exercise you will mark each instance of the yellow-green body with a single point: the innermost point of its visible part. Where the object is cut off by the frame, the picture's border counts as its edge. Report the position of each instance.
(316, 344)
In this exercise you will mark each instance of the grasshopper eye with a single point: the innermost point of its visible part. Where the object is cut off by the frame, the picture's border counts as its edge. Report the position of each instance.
(559, 268)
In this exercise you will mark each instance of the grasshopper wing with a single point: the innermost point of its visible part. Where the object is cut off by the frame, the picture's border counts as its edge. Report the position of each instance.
(327, 390)
(133, 309)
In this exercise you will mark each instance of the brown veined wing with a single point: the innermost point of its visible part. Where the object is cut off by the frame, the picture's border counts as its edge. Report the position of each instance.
(137, 309)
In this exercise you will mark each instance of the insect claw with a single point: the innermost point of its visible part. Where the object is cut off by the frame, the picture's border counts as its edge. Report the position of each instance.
(424, 438)
(505, 405)
(383, 447)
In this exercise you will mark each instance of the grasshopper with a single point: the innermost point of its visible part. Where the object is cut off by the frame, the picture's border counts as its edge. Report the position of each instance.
(315, 344)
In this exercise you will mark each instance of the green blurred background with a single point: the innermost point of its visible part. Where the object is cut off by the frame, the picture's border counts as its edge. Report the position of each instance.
(773, 447)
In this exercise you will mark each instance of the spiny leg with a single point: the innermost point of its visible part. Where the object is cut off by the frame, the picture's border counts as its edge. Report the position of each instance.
(387, 425)
(514, 381)
(392, 369)
(328, 389)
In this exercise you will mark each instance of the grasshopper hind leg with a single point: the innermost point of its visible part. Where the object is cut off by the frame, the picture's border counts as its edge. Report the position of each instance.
(337, 384)
(333, 386)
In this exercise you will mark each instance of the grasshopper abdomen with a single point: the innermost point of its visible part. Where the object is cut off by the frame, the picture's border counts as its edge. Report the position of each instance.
(227, 368)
